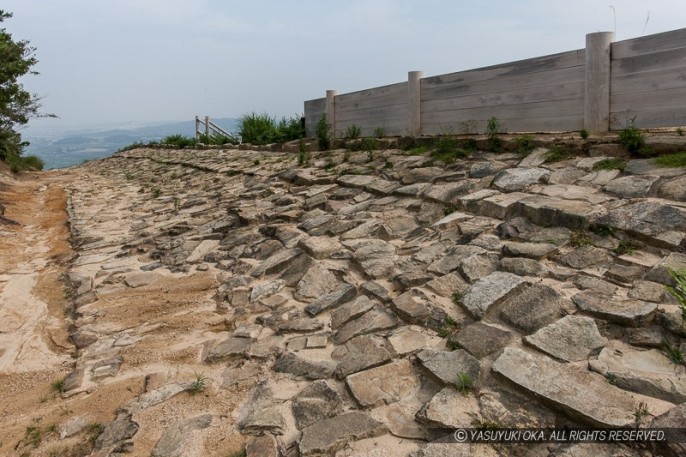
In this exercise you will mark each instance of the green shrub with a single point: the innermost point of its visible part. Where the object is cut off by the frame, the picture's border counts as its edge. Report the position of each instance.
(22, 163)
(289, 129)
(369, 144)
(584, 134)
(353, 132)
(179, 141)
(557, 153)
(633, 139)
(323, 133)
(258, 128)
(464, 383)
(525, 144)
(447, 151)
(493, 127)
(680, 131)
(470, 144)
(379, 132)
(419, 150)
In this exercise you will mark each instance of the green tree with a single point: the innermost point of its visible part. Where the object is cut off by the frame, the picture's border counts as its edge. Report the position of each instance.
(17, 105)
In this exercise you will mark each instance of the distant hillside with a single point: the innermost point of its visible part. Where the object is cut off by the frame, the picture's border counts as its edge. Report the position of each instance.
(75, 147)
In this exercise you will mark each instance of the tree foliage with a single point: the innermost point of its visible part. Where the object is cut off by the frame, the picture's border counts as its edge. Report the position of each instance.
(17, 105)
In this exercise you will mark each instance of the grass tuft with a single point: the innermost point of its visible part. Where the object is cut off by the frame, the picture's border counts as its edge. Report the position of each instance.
(464, 383)
(676, 160)
(610, 164)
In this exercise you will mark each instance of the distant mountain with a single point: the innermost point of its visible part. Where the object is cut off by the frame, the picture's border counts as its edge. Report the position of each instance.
(76, 147)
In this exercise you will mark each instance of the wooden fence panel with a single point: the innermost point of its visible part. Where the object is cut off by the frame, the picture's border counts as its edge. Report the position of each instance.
(648, 81)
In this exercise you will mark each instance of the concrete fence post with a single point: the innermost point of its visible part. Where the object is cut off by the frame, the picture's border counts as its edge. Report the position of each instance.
(414, 103)
(597, 93)
(330, 110)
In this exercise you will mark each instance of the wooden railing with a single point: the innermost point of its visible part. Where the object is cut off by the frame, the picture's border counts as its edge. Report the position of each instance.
(209, 129)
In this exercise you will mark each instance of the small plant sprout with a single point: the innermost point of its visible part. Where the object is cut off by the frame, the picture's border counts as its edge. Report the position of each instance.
(448, 209)
(679, 290)
(611, 378)
(640, 413)
(680, 131)
(464, 383)
(199, 385)
(525, 144)
(323, 133)
(379, 132)
(610, 164)
(457, 297)
(632, 138)
(58, 385)
(674, 353)
(579, 238)
(448, 326)
(624, 248)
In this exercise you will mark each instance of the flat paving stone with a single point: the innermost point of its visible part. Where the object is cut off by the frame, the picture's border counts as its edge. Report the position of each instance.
(327, 436)
(571, 339)
(633, 313)
(445, 365)
(489, 291)
(386, 384)
(481, 340)
(578, 393)
(648, 372)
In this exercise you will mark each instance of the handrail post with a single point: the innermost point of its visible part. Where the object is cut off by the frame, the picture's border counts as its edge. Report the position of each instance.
(197, 128)
(207, 128)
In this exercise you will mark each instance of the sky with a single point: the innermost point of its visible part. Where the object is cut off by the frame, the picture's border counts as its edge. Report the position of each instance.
(125, 62)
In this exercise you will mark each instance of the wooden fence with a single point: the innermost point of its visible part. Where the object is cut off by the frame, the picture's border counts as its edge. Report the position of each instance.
(599, 88)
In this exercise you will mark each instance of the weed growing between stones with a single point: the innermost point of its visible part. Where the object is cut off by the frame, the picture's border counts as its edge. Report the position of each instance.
(58, 385)
(447, 151)
(680, 131)
(199, 385)
(558, 153)
(94, 430)
(633, 139)
(493, 127)
(578, 239)
(525, 144)
(420, 150)
(352, 132)
(624, 248)
(677, 160)
(584, 134)
(448, 326)
(640, 413)
(464, 383)
(379, 132)
(679, 290)
(323, 133)
(611, 378)
(610, 164)
(673, 352)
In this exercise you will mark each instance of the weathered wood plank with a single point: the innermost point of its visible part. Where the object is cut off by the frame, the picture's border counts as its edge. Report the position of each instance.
(649, 44)
(654, 99)
(522, 67)
(562, 107)
(391, 89)
(511, 125)
(509, 97)
(663, 60)
(648, 81)
(569, 75)
(373, 113)
(668, 117)
(344, 104)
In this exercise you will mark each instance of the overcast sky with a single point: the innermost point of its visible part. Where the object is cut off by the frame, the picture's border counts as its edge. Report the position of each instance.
(128, 61)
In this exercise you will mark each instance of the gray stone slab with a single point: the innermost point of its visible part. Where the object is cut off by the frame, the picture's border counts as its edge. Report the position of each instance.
(386, 384)
(570, 339)
(534, 307)
(489, 291)
(350, 311)
(481, 340)
(373, 321)
(535, 251)
(359, 354)
(327, 436)
(517, 179)
(634, 313)
(445, 365)
(229, 348)
(633, 186)
(173, 441)
(316, 402)
(343, 294)
(580, 394)
(300, 366)
(646, 372)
